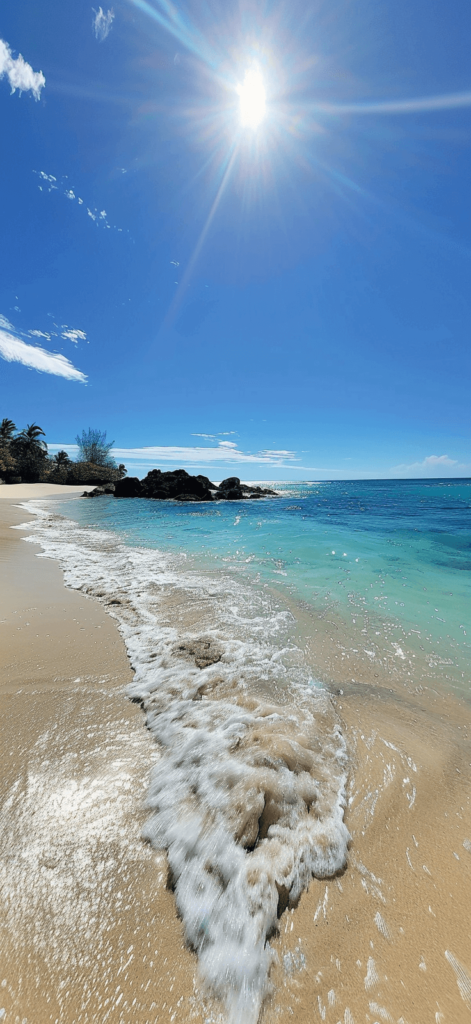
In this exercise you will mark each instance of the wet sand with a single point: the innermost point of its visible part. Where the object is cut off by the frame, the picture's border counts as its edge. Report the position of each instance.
(88, 928)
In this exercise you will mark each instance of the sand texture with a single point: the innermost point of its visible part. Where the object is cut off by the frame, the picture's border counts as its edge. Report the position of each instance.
(88, 926)
(88, 930)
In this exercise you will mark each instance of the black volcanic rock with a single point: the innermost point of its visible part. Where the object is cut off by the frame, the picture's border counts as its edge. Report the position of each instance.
(177, 482)
(190, 497)
(178, 485)
(231, 489)
(130, 487)
(206, 482)
(230, 482)
(97, 491)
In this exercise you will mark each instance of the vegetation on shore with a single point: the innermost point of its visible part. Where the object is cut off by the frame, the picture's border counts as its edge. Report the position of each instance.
(24, 458)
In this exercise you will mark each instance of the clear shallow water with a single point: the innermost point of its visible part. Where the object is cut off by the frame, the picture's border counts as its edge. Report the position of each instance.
(247, 794)
(398, 550)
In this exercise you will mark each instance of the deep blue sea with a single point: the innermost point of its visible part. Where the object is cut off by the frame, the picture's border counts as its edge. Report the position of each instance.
(398, 551)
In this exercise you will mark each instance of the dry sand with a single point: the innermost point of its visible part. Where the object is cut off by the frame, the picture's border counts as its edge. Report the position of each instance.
(88, 929)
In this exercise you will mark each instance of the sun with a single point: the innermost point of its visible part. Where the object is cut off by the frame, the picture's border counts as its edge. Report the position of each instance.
(252, 98)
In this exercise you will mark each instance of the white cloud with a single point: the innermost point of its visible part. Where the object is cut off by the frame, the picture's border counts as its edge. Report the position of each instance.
(15, 351)
(102, 23)
(7, 326)
(215, 437)
(38, 334)
(20, 74)
(432, 465)
(73, 335)
(51, 178)
(199, 456)
(282, 454)
(227, 444)
(51, 183)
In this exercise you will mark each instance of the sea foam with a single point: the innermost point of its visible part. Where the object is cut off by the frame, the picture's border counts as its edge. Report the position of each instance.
(247, 797)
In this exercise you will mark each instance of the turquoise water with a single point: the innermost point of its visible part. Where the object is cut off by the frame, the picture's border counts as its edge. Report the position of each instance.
(398, 550)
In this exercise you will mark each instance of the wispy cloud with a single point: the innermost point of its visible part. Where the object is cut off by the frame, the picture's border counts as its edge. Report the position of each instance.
(38, 334)
(7, 326)
(72, 334)
(193, 456)
(50, 183)
(432, 465)
(13, 350)
(215, 437)
(50, 179)
(20, 74)
(102, 23)
(203, 456)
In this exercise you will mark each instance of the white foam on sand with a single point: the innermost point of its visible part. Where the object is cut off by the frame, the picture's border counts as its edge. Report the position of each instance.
(247, 797)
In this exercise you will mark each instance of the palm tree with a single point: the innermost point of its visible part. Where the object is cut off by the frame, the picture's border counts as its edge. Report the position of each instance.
(61, 459)
(29, 439)
(7, 462)
(7, 429)
(29, 452)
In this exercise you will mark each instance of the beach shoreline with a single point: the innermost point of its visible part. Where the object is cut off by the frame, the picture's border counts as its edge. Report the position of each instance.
(87, 920)
(380, 942)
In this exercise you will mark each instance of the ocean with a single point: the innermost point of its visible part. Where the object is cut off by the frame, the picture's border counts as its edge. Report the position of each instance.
(245, 622)
(396, 550)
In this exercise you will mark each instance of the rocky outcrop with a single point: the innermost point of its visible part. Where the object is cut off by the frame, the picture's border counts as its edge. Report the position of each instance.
(176, 484)
(181, 486)
(98, 491)
(232, 490)
(130, 487)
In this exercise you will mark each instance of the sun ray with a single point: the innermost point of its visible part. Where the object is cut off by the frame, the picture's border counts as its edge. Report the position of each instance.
(203, 235)
(447, 101)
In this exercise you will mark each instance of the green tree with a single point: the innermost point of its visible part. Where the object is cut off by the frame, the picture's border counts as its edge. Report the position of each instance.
(61, 459)
(7, 461)
(94, 448)
(7, 429)
(29, 452)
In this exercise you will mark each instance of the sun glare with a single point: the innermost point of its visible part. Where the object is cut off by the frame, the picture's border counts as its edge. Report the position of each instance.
(252, 99)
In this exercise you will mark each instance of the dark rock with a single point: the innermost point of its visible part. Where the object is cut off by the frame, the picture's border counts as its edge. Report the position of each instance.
(97, 491)
(204, 480)
(231, 489)
(175, 484)
(178, 485)
(230, 482)
(129, 487)
(232, 494)
(190, 497)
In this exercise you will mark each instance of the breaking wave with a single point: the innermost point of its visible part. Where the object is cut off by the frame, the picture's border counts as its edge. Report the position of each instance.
(247, 796)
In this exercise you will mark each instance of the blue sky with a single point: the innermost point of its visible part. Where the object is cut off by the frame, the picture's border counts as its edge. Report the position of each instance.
(285, 301)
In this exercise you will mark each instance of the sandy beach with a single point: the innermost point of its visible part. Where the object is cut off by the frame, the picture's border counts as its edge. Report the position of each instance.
(88, 926)
(89, 930)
